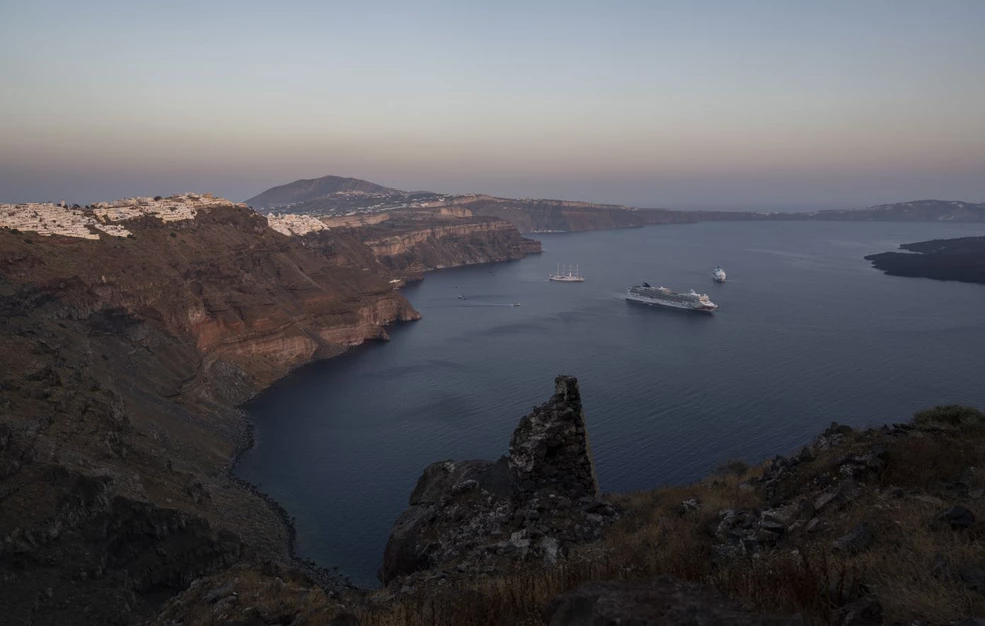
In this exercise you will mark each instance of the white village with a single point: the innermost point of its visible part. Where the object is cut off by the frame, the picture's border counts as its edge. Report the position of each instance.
(49, 218)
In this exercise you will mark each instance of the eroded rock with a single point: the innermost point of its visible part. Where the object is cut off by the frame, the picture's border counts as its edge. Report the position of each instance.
(528, 506)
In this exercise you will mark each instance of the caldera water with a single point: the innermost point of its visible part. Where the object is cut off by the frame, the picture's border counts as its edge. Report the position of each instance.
(807, 333)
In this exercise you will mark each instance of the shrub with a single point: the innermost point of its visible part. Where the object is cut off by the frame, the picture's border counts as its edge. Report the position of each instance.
(735, 467)
(950, 415)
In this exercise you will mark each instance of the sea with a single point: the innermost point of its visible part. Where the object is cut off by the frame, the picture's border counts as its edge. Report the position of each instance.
(806, 333)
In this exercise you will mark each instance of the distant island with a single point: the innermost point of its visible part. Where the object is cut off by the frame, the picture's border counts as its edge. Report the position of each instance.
(961, 259)
(339, 197)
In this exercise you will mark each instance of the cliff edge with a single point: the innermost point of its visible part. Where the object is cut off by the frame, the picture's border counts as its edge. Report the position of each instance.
(857, 528)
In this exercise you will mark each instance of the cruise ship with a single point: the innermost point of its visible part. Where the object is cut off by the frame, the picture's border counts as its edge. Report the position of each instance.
(718, 274)
(665, 297)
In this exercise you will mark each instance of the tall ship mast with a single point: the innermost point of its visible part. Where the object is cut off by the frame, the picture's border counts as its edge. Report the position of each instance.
(567, 276)
(662, 296)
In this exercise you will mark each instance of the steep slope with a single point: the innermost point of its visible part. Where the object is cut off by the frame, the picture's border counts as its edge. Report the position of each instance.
(314, 188)
(123, 360)
(410, 243)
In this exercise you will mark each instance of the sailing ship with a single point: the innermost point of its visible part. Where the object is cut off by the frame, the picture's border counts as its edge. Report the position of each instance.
(567, 277)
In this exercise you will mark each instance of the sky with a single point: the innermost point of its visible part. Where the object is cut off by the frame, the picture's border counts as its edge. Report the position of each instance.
(772, 104)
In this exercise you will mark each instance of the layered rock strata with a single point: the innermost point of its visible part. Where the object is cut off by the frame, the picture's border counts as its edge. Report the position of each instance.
(123, 360)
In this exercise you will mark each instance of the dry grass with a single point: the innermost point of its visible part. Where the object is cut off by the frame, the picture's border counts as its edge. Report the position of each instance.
(802, 575)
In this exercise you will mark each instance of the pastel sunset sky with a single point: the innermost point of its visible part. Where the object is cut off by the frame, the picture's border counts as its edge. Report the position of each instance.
(773, 104)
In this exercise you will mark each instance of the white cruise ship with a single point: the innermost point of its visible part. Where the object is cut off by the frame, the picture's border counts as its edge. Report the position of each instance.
(665, 297)
(718, 275)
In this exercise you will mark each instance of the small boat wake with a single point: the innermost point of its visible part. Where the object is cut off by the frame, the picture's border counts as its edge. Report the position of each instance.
(473, 303)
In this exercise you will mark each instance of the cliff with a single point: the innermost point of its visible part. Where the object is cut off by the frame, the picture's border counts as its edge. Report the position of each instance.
(131, 331)
(408, 243)
(124, 357)
(961, 259)
(553, 215)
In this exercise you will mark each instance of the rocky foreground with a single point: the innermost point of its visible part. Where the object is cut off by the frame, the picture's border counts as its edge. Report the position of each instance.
(858, 528)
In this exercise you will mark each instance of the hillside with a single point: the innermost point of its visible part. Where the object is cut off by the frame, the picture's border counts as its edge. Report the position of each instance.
(131, 331)
(305, 190)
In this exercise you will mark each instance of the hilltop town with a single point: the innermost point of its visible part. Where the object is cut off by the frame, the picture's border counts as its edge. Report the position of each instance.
(48, 218)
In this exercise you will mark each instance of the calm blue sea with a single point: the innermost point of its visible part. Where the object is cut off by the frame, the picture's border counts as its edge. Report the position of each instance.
(807, 333)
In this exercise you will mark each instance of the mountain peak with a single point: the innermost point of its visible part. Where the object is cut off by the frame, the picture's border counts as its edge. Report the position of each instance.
(306, 189)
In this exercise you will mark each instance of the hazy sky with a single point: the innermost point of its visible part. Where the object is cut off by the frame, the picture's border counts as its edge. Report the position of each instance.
(728, 104)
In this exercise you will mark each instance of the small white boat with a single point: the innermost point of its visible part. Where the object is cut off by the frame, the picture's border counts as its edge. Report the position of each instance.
(718, 275)
(569, 277)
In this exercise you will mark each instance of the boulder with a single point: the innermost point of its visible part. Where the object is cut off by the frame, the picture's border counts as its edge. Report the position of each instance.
(866, 611)
(957, 517)
(973, 576)
(858, 540)
(660, 602)
(442, 478)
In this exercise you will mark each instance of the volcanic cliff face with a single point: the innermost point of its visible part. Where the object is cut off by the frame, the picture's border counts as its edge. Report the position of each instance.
(553, 215)
(123, 359)
(130, 332)
(418, 242)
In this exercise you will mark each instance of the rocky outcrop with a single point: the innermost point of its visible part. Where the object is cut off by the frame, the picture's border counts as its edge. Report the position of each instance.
(661, 602)
(529, 506)
(412, 243)
(549, 449)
